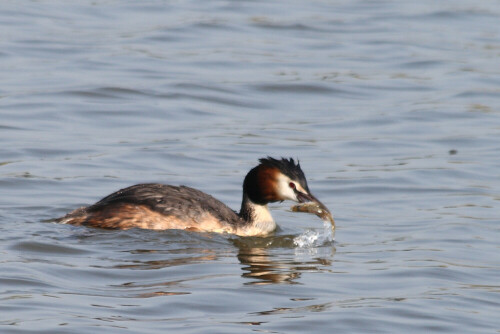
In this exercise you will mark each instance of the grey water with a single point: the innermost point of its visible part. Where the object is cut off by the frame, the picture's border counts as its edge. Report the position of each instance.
(392, 108)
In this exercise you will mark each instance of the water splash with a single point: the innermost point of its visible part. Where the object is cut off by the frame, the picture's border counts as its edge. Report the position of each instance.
(314, 238)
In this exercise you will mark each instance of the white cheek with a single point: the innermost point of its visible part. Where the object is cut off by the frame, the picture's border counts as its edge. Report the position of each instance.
(284, 189)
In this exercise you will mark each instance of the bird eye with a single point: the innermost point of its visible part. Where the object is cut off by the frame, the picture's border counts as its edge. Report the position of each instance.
(292, 185)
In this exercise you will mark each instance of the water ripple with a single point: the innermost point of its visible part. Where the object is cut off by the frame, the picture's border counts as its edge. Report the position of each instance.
(391, 106)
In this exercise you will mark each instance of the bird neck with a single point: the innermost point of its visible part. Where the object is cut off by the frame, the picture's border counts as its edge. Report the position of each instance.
(257, 217)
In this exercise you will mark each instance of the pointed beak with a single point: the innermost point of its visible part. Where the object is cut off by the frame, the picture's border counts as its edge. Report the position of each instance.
(304, 198)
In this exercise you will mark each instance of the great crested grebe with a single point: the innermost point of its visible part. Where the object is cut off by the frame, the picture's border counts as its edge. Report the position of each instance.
(160, 206)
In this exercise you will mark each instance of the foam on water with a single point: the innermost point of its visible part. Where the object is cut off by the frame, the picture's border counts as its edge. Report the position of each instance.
(314, 238)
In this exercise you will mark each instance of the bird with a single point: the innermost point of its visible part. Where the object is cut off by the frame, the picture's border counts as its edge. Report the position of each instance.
(161, 206)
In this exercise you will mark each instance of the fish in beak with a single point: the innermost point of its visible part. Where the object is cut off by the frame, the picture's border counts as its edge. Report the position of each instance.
(310, 204)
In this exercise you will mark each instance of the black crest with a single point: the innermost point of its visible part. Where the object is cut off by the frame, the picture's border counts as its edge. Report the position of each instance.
(289, 168)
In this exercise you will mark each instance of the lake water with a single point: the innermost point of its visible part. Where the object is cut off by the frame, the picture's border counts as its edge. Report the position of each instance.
(392, 108)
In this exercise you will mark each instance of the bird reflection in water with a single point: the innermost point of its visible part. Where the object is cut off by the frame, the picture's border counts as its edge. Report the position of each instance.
(271, 260)
(140, 289)
(203, 255)
(263, 267)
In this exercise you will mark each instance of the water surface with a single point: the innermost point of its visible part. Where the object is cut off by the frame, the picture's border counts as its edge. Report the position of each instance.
(392, 107)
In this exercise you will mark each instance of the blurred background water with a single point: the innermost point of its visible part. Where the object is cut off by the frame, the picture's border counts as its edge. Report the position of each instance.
(392, 108)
